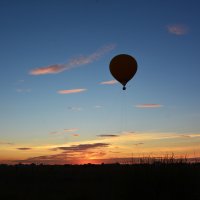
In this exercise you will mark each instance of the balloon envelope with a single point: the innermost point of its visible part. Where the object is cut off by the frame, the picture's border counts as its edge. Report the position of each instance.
(123, 67)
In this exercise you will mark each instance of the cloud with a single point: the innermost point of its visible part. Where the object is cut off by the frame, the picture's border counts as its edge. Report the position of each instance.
(74, 154)
(185, 136)
(190, 135)
(70, 130)
(81, 60)
(60, 159)
(81, 147)
(128, 133)
(71, 91)
(54, 132)
(75, 135)
(98, 106)
(110, 135)
(51, 69)
(139, 143)
(6, 143)
(149, 136)
(48, 159)
(20, 81)
(20, 90)
(73, 108)
(111, 82)
(149, 143)
(24, 148)
(149, 106)
(64, 131)
(177, 29)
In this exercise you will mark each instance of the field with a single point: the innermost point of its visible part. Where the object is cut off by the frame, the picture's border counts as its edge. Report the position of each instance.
(156, 181)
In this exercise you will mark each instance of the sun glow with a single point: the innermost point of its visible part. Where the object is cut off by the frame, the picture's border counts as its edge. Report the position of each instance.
(106, 149)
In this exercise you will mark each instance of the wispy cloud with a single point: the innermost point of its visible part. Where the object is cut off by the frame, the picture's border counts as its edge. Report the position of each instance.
(75, 135)
(81, 60)
(128, 132)
(139, 143)
(21, 81)
(190, 135)
(47, 159)
(51, 69)
(71, 91)
(161, 136)
(149, 105)
(54, 132)
(62, 158)
(74, 108)
(6, 143)
(111, 82)
(70, 130)
(177, 29)
(21, 90)
(57, 133)
(24, 148)
(108, 135)
(98, 106)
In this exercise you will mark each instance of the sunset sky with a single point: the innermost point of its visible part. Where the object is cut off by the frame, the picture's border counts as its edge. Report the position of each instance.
(60, 104)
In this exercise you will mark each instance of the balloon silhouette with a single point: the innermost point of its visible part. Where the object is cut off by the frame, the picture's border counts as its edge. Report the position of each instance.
(123, 67)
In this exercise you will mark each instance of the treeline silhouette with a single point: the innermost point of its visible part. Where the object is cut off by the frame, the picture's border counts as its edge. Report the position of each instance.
(157, 181)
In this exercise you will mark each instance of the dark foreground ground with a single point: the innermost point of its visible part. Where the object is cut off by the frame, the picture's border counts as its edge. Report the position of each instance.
(100, 182)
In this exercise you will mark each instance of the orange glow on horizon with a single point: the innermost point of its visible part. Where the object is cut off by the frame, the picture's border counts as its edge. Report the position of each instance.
(105, 149)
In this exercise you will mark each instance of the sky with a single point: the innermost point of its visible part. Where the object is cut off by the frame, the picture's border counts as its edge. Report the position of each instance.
(59, 104)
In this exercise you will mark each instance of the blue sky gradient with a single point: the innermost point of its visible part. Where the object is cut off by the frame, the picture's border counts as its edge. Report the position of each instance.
(163, 36)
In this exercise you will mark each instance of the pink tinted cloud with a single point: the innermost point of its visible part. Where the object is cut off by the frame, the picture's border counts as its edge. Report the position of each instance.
(81, 60)
(70, 130)
(111, 82)
(51, 69)
(71, 91)
(148, 105)
(177, 29)
(64, 131)
(75, 135)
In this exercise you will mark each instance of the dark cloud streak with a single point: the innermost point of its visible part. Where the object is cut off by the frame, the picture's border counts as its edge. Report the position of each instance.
(109, 135)
(24, 148)
(81, 147)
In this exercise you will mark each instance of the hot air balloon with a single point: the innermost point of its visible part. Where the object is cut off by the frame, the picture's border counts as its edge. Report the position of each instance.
(123, 67)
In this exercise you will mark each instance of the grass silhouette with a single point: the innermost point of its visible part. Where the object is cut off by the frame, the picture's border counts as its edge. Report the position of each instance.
(155, 181)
